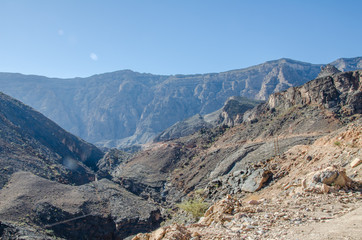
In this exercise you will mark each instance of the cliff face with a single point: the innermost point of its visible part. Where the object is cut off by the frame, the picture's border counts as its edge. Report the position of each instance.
(340, 93)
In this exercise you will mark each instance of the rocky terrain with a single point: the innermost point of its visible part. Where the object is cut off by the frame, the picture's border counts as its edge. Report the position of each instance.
(230, 114)
(296, 116)
(311, 197)
(49, 187)
(31, 142)
(97, 210)
(266, 175)
(287, 168)
(123, 108)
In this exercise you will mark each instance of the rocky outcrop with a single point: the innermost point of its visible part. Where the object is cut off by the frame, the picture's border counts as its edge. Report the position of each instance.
(111, 160)
(183, 128)
(328, 70)
(340, 94)
(234, 109)
(123, 108)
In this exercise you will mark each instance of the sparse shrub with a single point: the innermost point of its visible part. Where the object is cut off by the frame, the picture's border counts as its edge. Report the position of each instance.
(196, 207)
(337, 143)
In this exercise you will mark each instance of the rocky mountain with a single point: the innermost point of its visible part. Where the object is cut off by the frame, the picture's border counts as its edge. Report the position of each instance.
(291, 168)
(260, 170)
(49, 188)
(123, 108)
(168, 170)
(348, 64)
(31, 142)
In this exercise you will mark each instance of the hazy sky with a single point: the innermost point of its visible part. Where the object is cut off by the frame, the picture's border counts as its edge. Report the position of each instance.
(61, 38)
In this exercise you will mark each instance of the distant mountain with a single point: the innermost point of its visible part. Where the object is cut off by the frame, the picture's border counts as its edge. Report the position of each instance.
(124, 108)
(31, 142)
(348, 64)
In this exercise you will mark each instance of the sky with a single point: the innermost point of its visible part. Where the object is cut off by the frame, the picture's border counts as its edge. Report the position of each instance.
(80, 38)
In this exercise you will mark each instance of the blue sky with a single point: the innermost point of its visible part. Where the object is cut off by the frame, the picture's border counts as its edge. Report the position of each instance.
(68, 38)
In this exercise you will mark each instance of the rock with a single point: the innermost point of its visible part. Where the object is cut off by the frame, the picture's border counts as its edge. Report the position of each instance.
(356, 162)
(174, 231)
(332, 176)
(328, 70)
(254, 202)
(256, 180)
(216, 213)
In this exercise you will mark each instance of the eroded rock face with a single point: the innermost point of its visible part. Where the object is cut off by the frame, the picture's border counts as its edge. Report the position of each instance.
(234, 109)
(340, 94)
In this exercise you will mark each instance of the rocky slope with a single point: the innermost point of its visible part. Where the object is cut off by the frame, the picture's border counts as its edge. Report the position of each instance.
(49, 188)
(310, 197)
(31, 142)
(299, 115)
(125, 107)
(97, 210)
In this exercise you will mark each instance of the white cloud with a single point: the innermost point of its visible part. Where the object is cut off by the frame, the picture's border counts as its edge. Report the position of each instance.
(93, 56)
(60, 32)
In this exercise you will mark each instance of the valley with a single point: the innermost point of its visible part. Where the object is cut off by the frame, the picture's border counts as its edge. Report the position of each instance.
(284, 164)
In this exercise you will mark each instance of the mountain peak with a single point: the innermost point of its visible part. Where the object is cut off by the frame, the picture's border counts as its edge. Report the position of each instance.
(328, 70)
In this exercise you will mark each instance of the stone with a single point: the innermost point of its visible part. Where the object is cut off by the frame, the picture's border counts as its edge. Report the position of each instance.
(356, 162)
(254, 202)
(256, 180)
(332, 176)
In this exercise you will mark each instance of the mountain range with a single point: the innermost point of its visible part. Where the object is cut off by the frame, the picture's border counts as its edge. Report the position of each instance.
(56, 186)
(124, 108)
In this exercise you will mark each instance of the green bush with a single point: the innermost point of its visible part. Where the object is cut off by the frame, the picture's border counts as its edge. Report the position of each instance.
(196, 207)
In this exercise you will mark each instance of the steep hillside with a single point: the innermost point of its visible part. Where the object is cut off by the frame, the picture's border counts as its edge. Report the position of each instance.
(31, 142)
(48, 185)
(123, 108)
(169, 170)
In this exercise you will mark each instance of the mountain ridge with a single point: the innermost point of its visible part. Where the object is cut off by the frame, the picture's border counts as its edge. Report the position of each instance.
(132, 108)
